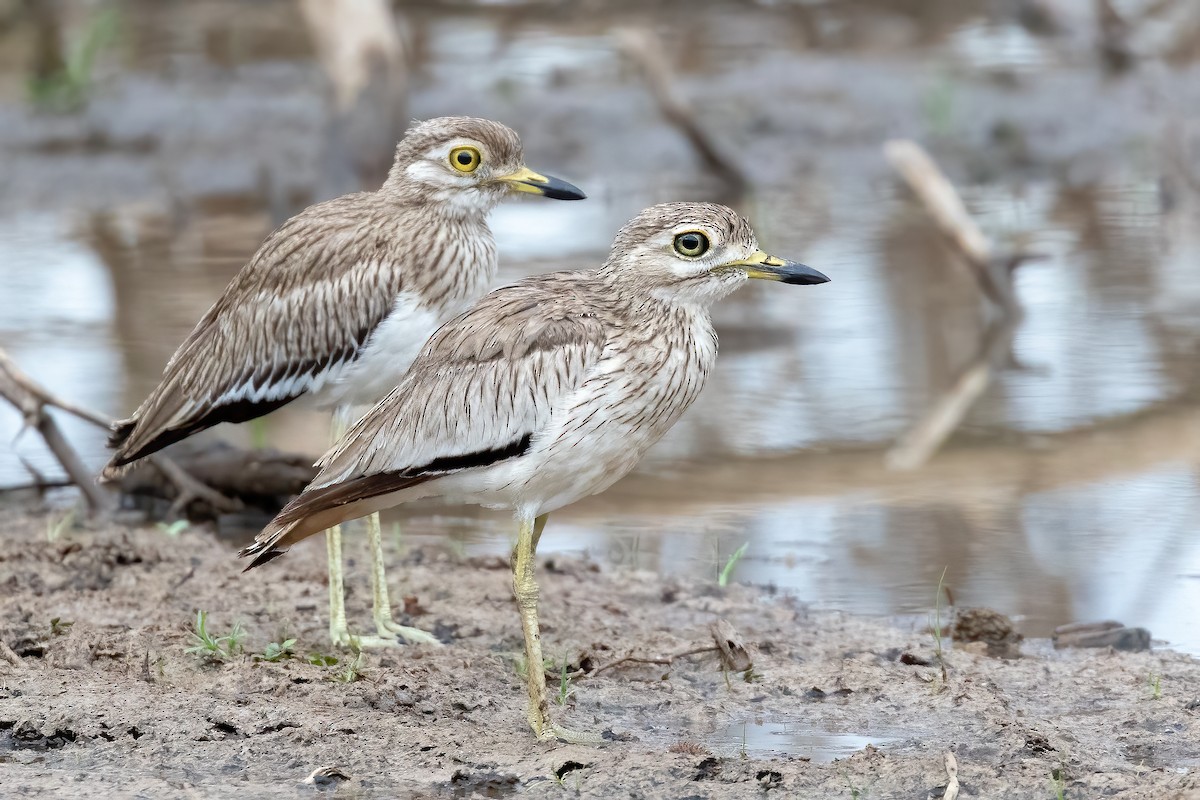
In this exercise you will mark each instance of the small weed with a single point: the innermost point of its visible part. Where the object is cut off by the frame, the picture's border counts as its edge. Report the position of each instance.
(564, 685)
(936, 623)
(56, 528)
(258, 433)
(215, 648)
(1058, 782)
(938, 106)
(727, 572)
(750, 676)
(175, 528)
(352, 671)
(59, 626)
(66, 88)
(321, 660)
(275, 652)
(1155, 682)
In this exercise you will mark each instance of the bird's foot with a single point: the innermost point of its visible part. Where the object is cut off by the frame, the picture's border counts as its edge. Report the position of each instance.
(547, 730)
(341, 637)
(389, 628)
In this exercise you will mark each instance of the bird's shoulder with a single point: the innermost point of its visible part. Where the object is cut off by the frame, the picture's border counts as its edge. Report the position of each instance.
(325, 242)
(537, 314)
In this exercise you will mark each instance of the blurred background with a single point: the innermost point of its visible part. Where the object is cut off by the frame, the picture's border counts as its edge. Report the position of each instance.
(148, 146)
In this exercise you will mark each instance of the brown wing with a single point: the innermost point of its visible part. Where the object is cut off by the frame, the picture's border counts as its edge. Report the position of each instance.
(305, 304)
(483, 387)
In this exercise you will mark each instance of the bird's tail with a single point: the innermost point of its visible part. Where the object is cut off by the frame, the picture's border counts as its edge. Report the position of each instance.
(318, 509)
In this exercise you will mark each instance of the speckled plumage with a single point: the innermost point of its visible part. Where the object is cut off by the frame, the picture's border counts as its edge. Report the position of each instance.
(338, 301)
(544, 392)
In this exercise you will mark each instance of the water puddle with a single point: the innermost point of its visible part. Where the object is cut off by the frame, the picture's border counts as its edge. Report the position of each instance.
(759, 739)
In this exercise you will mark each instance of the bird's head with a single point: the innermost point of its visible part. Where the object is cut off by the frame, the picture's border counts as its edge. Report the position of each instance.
(696, 252)
(468, 164)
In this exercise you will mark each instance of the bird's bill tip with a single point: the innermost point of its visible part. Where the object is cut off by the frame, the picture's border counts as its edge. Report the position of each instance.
(772, 268)
(530, 182)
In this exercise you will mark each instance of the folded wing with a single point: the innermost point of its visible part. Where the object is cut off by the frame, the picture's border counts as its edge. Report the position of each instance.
(484, 386)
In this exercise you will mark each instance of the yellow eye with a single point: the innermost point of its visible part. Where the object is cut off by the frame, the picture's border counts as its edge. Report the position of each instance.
(692, 244)
(465, 159)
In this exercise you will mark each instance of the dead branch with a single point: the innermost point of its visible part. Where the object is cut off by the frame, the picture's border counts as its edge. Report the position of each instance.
(922, 440)
(645, 49)
(33, 401)
(205, 479)
(952, 787)
(727, 643)
(944, 205)
(9, 655)
(993, 275)
(268, 474)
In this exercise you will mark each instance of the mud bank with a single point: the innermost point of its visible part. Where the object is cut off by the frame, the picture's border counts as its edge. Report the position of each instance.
(99, 696)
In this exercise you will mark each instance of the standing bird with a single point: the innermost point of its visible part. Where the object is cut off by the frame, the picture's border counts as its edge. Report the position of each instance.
(338, 301)
(545, 392)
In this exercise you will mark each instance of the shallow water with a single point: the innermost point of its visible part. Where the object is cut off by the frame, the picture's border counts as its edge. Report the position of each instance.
(759, 739)
(1069, 494)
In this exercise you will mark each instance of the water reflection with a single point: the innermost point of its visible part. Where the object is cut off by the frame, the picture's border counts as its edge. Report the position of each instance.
(1070, 493)
(760, 740)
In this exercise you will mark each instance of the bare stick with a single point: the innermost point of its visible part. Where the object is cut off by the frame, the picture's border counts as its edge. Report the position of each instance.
(665, 661)
(948, 212)
(922, 440)
(9, 655)
(9, 370)
(991, 273)
(645, 49)
(190, 489)
(31, 400)
(952, 787)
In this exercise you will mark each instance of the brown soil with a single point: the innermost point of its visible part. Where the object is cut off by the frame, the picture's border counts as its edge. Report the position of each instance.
(107, 703)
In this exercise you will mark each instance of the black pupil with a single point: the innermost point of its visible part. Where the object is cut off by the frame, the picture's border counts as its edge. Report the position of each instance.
(465, 158)
(691, 242)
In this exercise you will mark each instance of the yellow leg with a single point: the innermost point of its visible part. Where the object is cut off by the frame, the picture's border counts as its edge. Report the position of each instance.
(387, 627)
(526, 591)
(339, 631)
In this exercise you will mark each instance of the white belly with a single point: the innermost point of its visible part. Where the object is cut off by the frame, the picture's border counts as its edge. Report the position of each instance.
(598, 437)
(387, 355)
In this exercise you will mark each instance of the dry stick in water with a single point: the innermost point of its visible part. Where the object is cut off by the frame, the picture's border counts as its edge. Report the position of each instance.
(33, 400)
(645, 49)
(946, 207)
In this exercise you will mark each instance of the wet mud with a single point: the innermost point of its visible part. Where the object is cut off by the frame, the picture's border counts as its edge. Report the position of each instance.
(99, 695)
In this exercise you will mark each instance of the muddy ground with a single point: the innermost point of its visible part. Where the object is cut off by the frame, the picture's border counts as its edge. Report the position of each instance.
(106, 702)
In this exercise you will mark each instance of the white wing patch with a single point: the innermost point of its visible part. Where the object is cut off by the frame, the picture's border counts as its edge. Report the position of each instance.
(387, 355)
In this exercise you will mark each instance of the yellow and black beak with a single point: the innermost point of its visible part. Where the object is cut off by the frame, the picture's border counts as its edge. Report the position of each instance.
(526, 180)
(769, 268)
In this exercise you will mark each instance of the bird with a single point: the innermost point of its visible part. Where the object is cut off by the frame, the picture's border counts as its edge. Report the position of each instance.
(545, 392)
(335, 305)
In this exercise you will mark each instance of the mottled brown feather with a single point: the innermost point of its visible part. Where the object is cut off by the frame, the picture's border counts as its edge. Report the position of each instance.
(314, 293)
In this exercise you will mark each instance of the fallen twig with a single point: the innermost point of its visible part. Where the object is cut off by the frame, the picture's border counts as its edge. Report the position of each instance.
(9, 655)
(726, 642)
(921, 441)
(32, 401)
(951, 792)
(189, 489)
(993, 275)
(950, 214)
(645, 49)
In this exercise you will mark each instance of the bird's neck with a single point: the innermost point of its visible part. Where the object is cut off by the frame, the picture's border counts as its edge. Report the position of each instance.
(448, 203)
